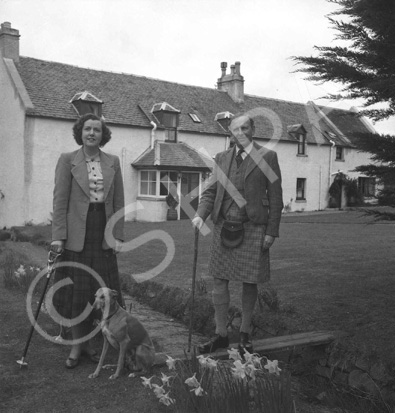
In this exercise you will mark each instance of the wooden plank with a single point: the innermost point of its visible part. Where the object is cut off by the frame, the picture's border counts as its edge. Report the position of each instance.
(268, 345)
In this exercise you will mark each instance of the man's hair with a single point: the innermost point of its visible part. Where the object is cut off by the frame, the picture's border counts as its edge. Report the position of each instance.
(79, 125)
(240, 114)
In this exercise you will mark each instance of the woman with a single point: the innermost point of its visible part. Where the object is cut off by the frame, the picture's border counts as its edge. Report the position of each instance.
(88, 191)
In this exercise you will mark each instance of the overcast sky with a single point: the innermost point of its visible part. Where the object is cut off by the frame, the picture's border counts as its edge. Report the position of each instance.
(183, 40)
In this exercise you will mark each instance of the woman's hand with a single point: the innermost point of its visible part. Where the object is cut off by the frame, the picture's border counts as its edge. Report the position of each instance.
(57, 245)
(118, 246)
(267, 242)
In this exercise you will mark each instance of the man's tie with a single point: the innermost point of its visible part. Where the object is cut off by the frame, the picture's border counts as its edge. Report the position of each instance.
(239, 158)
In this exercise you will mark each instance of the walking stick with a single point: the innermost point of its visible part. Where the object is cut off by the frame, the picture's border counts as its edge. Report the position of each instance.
(191, 307)
(53, 255)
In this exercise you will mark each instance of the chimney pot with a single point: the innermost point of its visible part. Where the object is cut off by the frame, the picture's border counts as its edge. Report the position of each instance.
(233, 83)
(237, 68)
(9, 42)
(224, 65)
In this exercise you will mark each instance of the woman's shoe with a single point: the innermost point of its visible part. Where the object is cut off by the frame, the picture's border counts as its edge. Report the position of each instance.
(72, 363)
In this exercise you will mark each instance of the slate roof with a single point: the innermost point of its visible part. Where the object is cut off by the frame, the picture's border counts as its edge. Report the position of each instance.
(168, 155)
(128, 100)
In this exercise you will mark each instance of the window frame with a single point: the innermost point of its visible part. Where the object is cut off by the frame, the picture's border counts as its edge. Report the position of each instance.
(367, 186)
(303, 188)
(301, 144)
(166, 185)
(148, 182)
(195, 117)
(341, 158)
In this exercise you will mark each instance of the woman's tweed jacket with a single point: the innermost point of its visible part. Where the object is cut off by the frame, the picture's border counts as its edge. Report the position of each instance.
(71, 198)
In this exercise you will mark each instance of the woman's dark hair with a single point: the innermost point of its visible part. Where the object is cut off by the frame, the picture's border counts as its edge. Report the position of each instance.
(78, 126)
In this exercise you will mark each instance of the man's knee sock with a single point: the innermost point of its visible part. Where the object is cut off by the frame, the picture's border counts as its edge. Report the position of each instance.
(248, 300)
(221, 305)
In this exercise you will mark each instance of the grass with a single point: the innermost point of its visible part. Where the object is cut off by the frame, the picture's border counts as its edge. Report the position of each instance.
(331, 271)
(334, 271)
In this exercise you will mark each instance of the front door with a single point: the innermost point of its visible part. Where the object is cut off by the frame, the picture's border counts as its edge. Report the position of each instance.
(190, 193)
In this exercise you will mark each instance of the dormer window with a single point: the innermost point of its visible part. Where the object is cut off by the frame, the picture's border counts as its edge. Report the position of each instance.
(298, 132)
(86, 102)
(168, 117)
(224, 119)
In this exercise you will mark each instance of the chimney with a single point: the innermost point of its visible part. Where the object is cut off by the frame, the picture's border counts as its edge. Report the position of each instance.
(232, 83)
(9, 42)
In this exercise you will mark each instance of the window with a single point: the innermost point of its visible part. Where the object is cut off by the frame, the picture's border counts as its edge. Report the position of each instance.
(367, 186)
(167, 179)
(195, 117)
(301, 144)
(300, 188)
(148, 183)
(339, 153)
(171, 135)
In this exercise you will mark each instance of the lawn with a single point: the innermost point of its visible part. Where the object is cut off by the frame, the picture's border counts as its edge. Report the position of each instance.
(332, 271)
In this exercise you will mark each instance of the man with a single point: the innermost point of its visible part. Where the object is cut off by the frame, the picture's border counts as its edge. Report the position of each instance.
(245, 188)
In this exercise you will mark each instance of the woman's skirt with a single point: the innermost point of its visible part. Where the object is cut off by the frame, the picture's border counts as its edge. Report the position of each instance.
(71, 300)
(246, 263)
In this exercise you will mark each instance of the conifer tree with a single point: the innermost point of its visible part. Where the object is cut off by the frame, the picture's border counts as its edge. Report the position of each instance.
(365, 66)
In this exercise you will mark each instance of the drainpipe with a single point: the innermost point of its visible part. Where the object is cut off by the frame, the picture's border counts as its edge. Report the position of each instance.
(123, 162)
(330, 162)
(320, 189)
(154, 126)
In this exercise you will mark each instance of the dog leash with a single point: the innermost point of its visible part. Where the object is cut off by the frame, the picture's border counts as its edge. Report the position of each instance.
(54, 253)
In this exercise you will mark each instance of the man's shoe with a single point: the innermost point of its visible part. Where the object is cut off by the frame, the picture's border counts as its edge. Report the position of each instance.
(245, 344)
(214, 344)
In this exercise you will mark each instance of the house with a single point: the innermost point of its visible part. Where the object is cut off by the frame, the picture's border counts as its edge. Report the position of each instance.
(164, 133)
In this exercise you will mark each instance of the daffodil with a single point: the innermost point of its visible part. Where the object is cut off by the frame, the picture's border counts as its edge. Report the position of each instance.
(166, 399)
(165, 379)
(147, 382)
(212, 364)
(234, 354)
(202, 360)
(198, 391)
(192, 381)
(171, 363)
(158, 390)
(272, 367)
(238, 370)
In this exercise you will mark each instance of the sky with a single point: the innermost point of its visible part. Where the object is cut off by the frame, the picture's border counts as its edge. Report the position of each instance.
(184, 41)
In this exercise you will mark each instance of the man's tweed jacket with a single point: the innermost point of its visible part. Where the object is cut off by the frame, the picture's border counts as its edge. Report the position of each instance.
(262, 188)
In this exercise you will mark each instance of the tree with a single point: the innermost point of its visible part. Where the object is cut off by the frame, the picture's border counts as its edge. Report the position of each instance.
(366, 68)
(366, 64)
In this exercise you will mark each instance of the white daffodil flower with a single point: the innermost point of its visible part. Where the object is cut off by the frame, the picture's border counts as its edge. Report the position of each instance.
(171, 363)
(272, 367)
(192, 381)
(147, 382)
(158, 390)
(234, 354)
(165, 379)
(239, 370)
